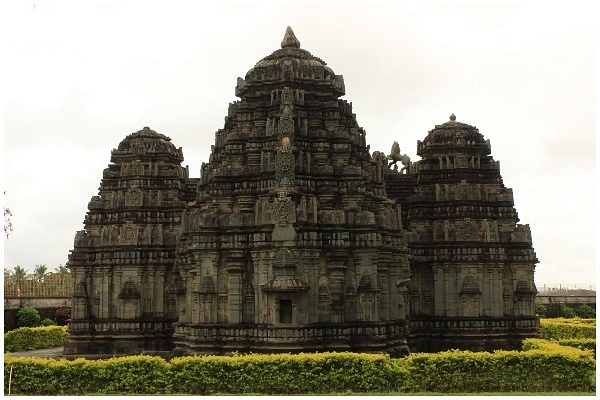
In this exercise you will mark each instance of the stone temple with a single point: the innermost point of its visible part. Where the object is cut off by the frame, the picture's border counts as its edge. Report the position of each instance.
(297, 239)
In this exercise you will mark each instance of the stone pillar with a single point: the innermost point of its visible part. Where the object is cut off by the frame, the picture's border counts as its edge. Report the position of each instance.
(193, 295)
(117, 279)
(139, 282)
(150, 301)
(159, 290)
(185, 309)
(440, 283)
(499, 288)
(336, 275)
(234, 292)
(383, 293)
(261, 261)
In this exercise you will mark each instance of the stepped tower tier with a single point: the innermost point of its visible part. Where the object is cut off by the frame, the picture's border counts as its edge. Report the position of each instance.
(122, 262)
(472, 264)
(291, 243)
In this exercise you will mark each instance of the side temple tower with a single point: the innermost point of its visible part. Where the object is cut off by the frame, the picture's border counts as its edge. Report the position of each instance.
(472, 264)
(122, 262)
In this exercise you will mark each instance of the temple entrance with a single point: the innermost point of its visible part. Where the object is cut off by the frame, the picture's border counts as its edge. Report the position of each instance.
(285, 311)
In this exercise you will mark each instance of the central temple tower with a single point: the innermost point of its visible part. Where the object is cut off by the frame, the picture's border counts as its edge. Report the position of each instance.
(291, 243)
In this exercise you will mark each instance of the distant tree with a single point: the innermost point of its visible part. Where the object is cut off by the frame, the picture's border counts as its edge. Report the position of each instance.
(39, 272)
(47, 322)
(28, 317)
(8, 227)
(585, 311)
(18, 276)
(540, 310)
(62, 270)
(567, 311)
(7, 277)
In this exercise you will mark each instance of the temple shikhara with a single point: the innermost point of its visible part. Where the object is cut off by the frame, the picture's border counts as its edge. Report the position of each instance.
(296, 238)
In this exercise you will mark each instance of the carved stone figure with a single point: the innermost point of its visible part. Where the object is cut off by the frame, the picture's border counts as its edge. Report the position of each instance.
(396, 156)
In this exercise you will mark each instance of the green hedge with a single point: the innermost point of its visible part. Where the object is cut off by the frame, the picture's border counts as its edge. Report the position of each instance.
(582, 344)
(567, 328)
(23, 339)
(535, 370)
(556, 368)
(284, 374)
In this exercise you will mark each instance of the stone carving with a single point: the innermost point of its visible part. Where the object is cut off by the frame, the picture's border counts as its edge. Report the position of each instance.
(379, 159)
(331, 217)
(462, 191)
(522, 233)
(364, 218)
(467, 230)
(284, 164)
(460, 161)
(301, 214)
(286, 126)
(136, 168)
(287, 97)
(396, 156)
(485, 231)
(505, 194)
(128, 234)
(283, 209)
(133, 197)
(266, 211)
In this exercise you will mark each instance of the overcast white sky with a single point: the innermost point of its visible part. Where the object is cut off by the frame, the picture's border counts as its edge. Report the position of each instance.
(80, 76)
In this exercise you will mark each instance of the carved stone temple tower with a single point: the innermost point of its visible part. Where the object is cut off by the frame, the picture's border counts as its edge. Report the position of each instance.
(122, 263)
(291, 244)
(472, 265)
(296, 238)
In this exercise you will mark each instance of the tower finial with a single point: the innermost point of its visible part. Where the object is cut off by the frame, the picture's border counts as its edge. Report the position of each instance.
(289, 40)
(452, 117)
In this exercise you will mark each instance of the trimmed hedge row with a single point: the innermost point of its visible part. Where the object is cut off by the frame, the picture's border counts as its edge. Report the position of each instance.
(567, 328)
(555, 368)
(582, 344)
(23, 339)
(537, 370)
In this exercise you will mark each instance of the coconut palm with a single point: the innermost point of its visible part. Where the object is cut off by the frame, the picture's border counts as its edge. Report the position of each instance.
(18, 276)
(61, 279)
(62, 270)
(39, 272)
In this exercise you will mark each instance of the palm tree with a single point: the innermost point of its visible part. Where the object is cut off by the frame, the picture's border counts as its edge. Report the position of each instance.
(8, 280)
(39, 273)
(62, 270)
(62, 277)
(18, 276)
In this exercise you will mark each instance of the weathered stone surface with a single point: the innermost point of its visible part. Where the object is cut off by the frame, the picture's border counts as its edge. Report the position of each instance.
(296, 238)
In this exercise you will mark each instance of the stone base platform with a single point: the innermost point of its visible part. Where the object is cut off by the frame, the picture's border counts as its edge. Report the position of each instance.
(388, 337)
